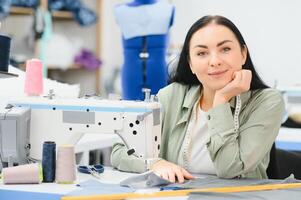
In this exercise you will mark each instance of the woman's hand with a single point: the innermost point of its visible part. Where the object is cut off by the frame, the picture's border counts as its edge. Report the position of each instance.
(170, 171)
(240, 83)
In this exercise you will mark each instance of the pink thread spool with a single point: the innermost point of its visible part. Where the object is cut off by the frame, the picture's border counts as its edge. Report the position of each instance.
(30, 173)
(34, 77)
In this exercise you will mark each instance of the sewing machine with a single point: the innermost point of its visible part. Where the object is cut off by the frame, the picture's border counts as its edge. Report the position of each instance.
(66, 120)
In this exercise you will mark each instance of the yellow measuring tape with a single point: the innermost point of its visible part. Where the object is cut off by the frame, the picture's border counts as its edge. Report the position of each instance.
(186, 192)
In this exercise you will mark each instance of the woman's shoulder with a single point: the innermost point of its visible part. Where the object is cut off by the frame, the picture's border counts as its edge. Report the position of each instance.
(267, 98)
(172, 93)
(267, 94)
(173, 86)
(173, 89)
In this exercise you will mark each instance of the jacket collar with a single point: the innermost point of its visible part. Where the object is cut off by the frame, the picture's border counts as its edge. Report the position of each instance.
(192, 95)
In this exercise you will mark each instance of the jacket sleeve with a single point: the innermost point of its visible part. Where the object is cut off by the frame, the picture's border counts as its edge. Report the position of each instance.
(236, 153)
(122, 161)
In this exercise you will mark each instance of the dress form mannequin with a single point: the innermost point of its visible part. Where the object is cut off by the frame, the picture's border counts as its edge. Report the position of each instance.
(145, 39)
(141, 2)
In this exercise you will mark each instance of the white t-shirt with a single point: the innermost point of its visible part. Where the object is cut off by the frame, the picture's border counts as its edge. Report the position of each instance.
(194, 155)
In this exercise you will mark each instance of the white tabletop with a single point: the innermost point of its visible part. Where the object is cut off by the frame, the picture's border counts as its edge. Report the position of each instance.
(109, 176)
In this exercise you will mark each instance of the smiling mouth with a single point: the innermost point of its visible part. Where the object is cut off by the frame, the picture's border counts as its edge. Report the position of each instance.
(217, 73)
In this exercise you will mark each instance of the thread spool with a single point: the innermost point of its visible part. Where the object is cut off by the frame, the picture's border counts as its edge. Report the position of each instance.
(48, 161)
(4, 52)
(65, 165)
(30, 173)
(34, 77)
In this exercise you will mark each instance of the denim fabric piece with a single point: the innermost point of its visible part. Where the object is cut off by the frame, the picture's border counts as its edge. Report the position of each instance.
(6, 4)
(83, 15)
(25, 3)
(208, 181)
(4, 8)
(64, 4)
(145, 180)
(292, 194)
(94, 187)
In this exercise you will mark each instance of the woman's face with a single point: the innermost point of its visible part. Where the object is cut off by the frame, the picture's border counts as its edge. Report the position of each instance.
(214, 54)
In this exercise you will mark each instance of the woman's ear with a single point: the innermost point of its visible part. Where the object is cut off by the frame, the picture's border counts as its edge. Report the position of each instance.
(244, 52)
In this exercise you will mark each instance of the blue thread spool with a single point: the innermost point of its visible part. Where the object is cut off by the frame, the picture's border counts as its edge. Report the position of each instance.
(4, 52)
(48, 161)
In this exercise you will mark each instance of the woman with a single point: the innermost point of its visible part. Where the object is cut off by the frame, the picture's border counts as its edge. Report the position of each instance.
(218, 116)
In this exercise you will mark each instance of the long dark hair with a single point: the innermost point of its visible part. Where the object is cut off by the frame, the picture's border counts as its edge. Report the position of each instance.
(184, 74)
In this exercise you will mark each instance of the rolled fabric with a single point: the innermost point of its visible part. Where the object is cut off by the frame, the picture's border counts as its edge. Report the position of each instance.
(30, 173)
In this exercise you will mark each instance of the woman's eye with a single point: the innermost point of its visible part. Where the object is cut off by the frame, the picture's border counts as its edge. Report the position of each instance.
(226, 49)
(201, 53)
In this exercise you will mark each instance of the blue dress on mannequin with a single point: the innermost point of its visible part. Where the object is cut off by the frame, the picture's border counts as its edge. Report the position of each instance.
(144, 26)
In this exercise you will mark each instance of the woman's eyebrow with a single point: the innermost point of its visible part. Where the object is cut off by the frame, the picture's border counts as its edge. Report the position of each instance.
(223, 42)
(200, 46)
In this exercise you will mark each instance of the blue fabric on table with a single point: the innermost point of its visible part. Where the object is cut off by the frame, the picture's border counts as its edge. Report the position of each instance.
(24, 195)
(145, 180)
(94, 187)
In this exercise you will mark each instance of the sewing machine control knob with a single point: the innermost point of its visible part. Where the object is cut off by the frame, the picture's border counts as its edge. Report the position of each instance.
(27, 146)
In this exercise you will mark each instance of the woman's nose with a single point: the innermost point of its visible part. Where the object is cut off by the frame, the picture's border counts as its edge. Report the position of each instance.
(214, 60)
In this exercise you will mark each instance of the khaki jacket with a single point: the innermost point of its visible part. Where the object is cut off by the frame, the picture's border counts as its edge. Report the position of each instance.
(242, 153)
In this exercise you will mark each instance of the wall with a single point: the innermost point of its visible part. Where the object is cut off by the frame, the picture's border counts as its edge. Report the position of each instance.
(111, 44)
(271, 29)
